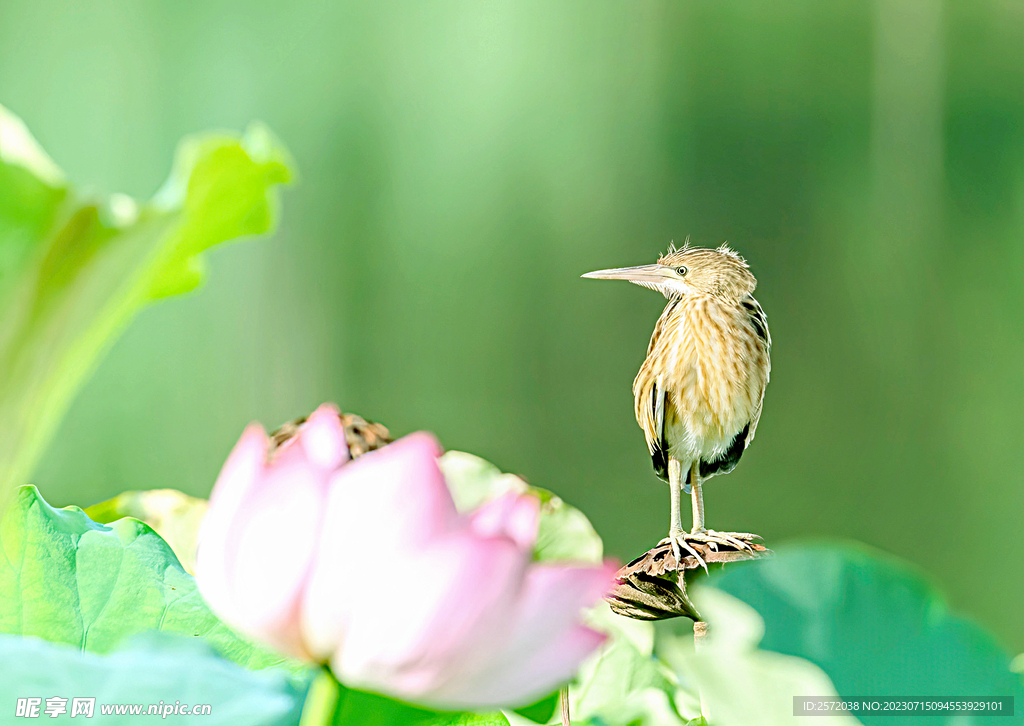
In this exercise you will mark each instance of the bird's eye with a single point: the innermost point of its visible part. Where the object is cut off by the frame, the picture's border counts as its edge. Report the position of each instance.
(681, 270)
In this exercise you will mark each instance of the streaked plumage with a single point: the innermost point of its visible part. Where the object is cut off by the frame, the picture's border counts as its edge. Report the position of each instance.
(699, 392)
(707, 365)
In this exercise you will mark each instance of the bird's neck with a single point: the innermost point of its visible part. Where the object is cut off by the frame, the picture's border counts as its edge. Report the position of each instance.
(696, 301)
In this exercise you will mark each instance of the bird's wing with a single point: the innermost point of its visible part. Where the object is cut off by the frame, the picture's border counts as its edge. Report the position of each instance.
(659, 411)
(658, 443)
(650, 414)
(728, 461)
(759, 321)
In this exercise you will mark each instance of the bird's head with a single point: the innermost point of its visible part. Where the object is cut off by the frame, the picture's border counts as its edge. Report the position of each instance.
(690, 271)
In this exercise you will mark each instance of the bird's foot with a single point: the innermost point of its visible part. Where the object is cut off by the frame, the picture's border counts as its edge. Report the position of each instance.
(677, 538)
(735, 540)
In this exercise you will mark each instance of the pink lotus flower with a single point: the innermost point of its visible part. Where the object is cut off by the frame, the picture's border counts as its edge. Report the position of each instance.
(367, 565)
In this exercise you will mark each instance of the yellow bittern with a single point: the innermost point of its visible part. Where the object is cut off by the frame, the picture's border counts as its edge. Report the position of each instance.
(698, 394)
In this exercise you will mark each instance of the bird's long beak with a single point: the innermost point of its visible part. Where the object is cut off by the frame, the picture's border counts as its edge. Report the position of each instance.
(641, 274)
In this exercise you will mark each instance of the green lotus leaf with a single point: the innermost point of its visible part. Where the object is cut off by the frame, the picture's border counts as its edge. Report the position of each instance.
(174, 515)
(67, 579)
(738, 683)
(74, 270)
(624, 683)
(875, 625)
(154, 671)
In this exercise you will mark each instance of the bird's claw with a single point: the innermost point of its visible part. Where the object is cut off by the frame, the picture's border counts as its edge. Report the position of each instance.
(679, 543)
(735, 540)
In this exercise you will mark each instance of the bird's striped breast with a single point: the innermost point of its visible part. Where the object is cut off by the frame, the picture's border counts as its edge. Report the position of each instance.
(711, 359)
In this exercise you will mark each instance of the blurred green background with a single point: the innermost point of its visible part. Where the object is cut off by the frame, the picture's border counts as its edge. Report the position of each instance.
(462, 163)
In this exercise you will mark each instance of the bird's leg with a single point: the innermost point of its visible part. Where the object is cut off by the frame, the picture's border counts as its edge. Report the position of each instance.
(697, 498)
(711, 537)
(676, 533)
(675, 485)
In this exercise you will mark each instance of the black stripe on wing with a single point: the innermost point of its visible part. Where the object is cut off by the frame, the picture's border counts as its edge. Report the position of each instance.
(729, 459)
(659, 447)
(758, 319)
